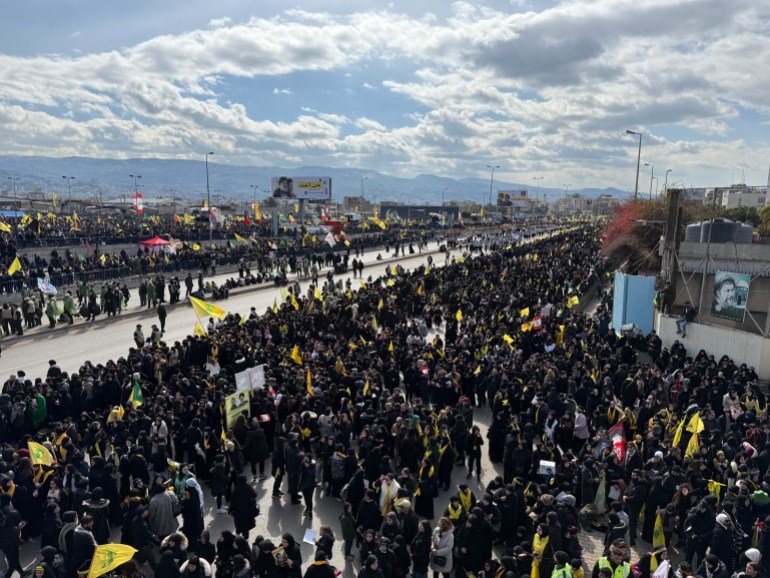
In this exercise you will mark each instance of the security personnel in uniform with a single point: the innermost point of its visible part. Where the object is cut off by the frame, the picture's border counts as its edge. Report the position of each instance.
(615, 562)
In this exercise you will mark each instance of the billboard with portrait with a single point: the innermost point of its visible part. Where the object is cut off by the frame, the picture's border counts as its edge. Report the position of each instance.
(731, 295)
(235, 405)
(307, 188)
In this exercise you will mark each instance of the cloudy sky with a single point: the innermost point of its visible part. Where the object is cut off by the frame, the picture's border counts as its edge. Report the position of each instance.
(542, 88)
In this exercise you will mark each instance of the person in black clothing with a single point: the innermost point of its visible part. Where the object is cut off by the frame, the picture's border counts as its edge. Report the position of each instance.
(368, 516)
(161, 310)
(420, 550)
(307, 483)
(243, 506)
(9, 542)
(473, 447)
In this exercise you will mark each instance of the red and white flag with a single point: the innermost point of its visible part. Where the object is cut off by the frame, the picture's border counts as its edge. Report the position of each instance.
(618, 438)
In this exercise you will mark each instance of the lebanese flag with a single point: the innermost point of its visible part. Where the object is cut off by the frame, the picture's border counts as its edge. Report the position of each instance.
(247, 221)
(537, 324)
(139, 203)
(618, 438)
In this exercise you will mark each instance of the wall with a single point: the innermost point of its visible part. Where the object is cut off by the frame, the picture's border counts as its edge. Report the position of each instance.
(633, 302)
(740, 346)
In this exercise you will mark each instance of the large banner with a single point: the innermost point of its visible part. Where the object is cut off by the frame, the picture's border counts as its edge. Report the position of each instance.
(252, 378)
(235, 405)
(308, 188)
(731, 295)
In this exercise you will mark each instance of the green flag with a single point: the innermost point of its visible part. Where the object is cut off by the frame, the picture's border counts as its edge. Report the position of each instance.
(136, 396)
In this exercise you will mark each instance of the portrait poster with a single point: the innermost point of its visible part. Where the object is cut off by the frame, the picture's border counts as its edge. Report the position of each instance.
(731, 295)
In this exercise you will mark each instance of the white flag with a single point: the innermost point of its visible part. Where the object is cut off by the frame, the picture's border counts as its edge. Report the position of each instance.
(330, 239)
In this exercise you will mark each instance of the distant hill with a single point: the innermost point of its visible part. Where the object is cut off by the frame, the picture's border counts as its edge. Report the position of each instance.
(187, 178)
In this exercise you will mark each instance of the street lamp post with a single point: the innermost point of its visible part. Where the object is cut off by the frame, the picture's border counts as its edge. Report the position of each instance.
(14, 180)
(443, 194)
(362, 188)
(69, 188)
(537, 191)
(492, 180)
(665, 182)
(208, 198)
(254, 189)
(136, 186)
(652, 175)
(638, 160)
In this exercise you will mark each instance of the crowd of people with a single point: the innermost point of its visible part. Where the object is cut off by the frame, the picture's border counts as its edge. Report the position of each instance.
(375, 397)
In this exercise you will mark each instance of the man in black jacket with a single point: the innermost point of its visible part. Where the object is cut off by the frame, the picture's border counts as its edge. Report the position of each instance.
(83, 544)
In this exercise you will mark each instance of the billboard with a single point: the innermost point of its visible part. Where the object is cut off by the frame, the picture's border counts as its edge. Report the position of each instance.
(508, 197)
(731, 295)
(308, 188)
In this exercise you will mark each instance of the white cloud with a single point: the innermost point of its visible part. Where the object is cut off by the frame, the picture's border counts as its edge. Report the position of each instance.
(550, 91)
(220, 22)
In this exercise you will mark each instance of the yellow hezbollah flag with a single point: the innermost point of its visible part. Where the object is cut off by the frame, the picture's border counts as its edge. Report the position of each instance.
(459, 315)
(508, 339)
(108, 557)
(295, 356)
(39, 454)
(294, 303)
(714, 488)
(199, 329)
(15, 266)
(196, 247)
(317, 294)
(696, 424)
(4, 228)
(560, 335)
(203, 309)
(366, 387)
(524, 313)
(572, 301)
(240, 239)
(658, 539)
(678, 434)
(390, 347)
(693, 446)
(257, 212)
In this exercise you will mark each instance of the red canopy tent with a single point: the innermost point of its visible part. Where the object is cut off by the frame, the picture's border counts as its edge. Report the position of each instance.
(154, 245)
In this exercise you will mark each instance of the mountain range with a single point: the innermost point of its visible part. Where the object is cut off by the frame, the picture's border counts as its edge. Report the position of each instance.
(186, 179)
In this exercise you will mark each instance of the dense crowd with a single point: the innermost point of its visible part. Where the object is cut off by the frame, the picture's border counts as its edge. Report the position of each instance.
(374, 397)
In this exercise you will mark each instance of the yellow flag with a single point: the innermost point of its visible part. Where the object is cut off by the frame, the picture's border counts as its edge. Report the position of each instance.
(393, 270)
(696, 424)
(572, 301)
(390, 347)
(257, 212)
(108, 557)
(275, 305)
(295, 356)
(199, 329)
(693, 446)
(526, 327)
(203, 309)
(380, 305)
(4, 228)
(658, 540)
(240, 239)
(390, 282)
(317, 294)
(39, 454)
(309, 383)
(420, 289)
(366, 387)
(120, 412)
(15, 266)
(477, 371)
(294, 302)
(678, 434)
(196, 247)
(508, 339)
(524, 313)
(459, 315)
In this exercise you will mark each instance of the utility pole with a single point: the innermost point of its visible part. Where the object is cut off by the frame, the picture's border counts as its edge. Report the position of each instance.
(670, 247)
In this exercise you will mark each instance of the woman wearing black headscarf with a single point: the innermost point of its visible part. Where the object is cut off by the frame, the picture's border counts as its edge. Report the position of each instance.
(51, 526)
(167, 567)
(290, 560)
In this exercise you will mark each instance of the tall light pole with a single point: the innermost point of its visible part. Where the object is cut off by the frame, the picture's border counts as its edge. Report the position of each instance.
(136, 186)
(362, 188)
(208, 198)
(656, 185)
(14, 180)
(443, 194)
(69, 188)
(492, 180)
(566, 194)
(254, 189)
(638, 160)
(665, 182)
(537, 191)
(652, 175)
